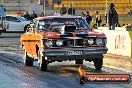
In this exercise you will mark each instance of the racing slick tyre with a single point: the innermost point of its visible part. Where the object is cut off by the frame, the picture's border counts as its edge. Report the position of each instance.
(43, 63)
(78, 61)
(98, 62)
(28, 61)
(81, 79)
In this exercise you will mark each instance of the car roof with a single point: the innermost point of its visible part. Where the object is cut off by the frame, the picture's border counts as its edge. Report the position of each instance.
(12, 16)
(51, 17)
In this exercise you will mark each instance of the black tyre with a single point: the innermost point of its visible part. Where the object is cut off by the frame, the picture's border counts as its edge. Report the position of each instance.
(98, 62)
(28, 61)
(78, 61)
(43, 63)
(27, 28)
(81, 80)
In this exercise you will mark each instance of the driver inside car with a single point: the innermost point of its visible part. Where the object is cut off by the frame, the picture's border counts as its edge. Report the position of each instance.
(43, 27)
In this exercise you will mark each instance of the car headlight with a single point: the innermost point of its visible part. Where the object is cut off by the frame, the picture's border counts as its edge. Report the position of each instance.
(99, 41)
(59, 42)
(104, 41)
(90, 41)
(49, 43)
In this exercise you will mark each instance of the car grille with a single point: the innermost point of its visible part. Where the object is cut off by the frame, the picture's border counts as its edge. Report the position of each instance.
(78, 42)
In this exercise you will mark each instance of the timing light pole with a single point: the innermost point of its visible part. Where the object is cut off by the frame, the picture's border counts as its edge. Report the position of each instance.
(44, 7)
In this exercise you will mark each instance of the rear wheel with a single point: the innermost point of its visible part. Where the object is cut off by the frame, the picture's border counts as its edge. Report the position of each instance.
(98, 62)
(43, 63)
(78, 61)
(28, 61)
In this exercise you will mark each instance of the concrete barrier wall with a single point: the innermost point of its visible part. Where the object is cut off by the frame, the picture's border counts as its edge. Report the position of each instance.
(119, 42)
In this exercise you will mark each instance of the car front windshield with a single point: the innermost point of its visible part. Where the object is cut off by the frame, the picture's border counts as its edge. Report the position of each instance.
(80, 23)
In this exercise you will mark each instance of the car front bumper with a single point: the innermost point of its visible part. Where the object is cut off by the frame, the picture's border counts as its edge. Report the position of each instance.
(78, 53)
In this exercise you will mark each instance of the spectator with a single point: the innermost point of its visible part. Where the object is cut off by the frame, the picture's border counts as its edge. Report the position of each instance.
(63, 10)
(130, 12)
(33, 15)
(71, 10)
(106, 18)
(98, 19)
(18, 13)
(83, 14)
(56, 13)
(22, 13)
(2, 11)
(42, 14)
(112, 16)
(88, 18)
(27, 16)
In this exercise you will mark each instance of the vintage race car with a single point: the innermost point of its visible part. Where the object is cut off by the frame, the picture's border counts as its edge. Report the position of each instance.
(60, 38)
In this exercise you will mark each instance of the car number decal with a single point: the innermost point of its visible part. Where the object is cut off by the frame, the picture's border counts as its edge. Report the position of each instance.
(74, 52)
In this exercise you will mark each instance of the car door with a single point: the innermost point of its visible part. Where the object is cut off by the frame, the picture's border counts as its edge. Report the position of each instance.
(14, 24)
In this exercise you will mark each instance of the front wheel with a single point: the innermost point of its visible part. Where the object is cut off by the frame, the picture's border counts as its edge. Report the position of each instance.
(28, 61)
(43, 63)
(98, 62)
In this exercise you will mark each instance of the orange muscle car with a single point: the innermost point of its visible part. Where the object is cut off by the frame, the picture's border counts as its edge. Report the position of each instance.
(60, 38)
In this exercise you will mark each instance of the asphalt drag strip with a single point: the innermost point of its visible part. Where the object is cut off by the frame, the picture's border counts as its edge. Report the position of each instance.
(60, 74)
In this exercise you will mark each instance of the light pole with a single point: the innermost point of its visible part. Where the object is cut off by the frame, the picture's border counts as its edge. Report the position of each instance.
(72, 7)
(18, 1)
(44, 7)
(106, 11)
(106, 4)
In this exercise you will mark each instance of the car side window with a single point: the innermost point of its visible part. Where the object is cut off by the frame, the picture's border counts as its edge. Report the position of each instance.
(2, 18)
(14, 19)
(7, 18)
